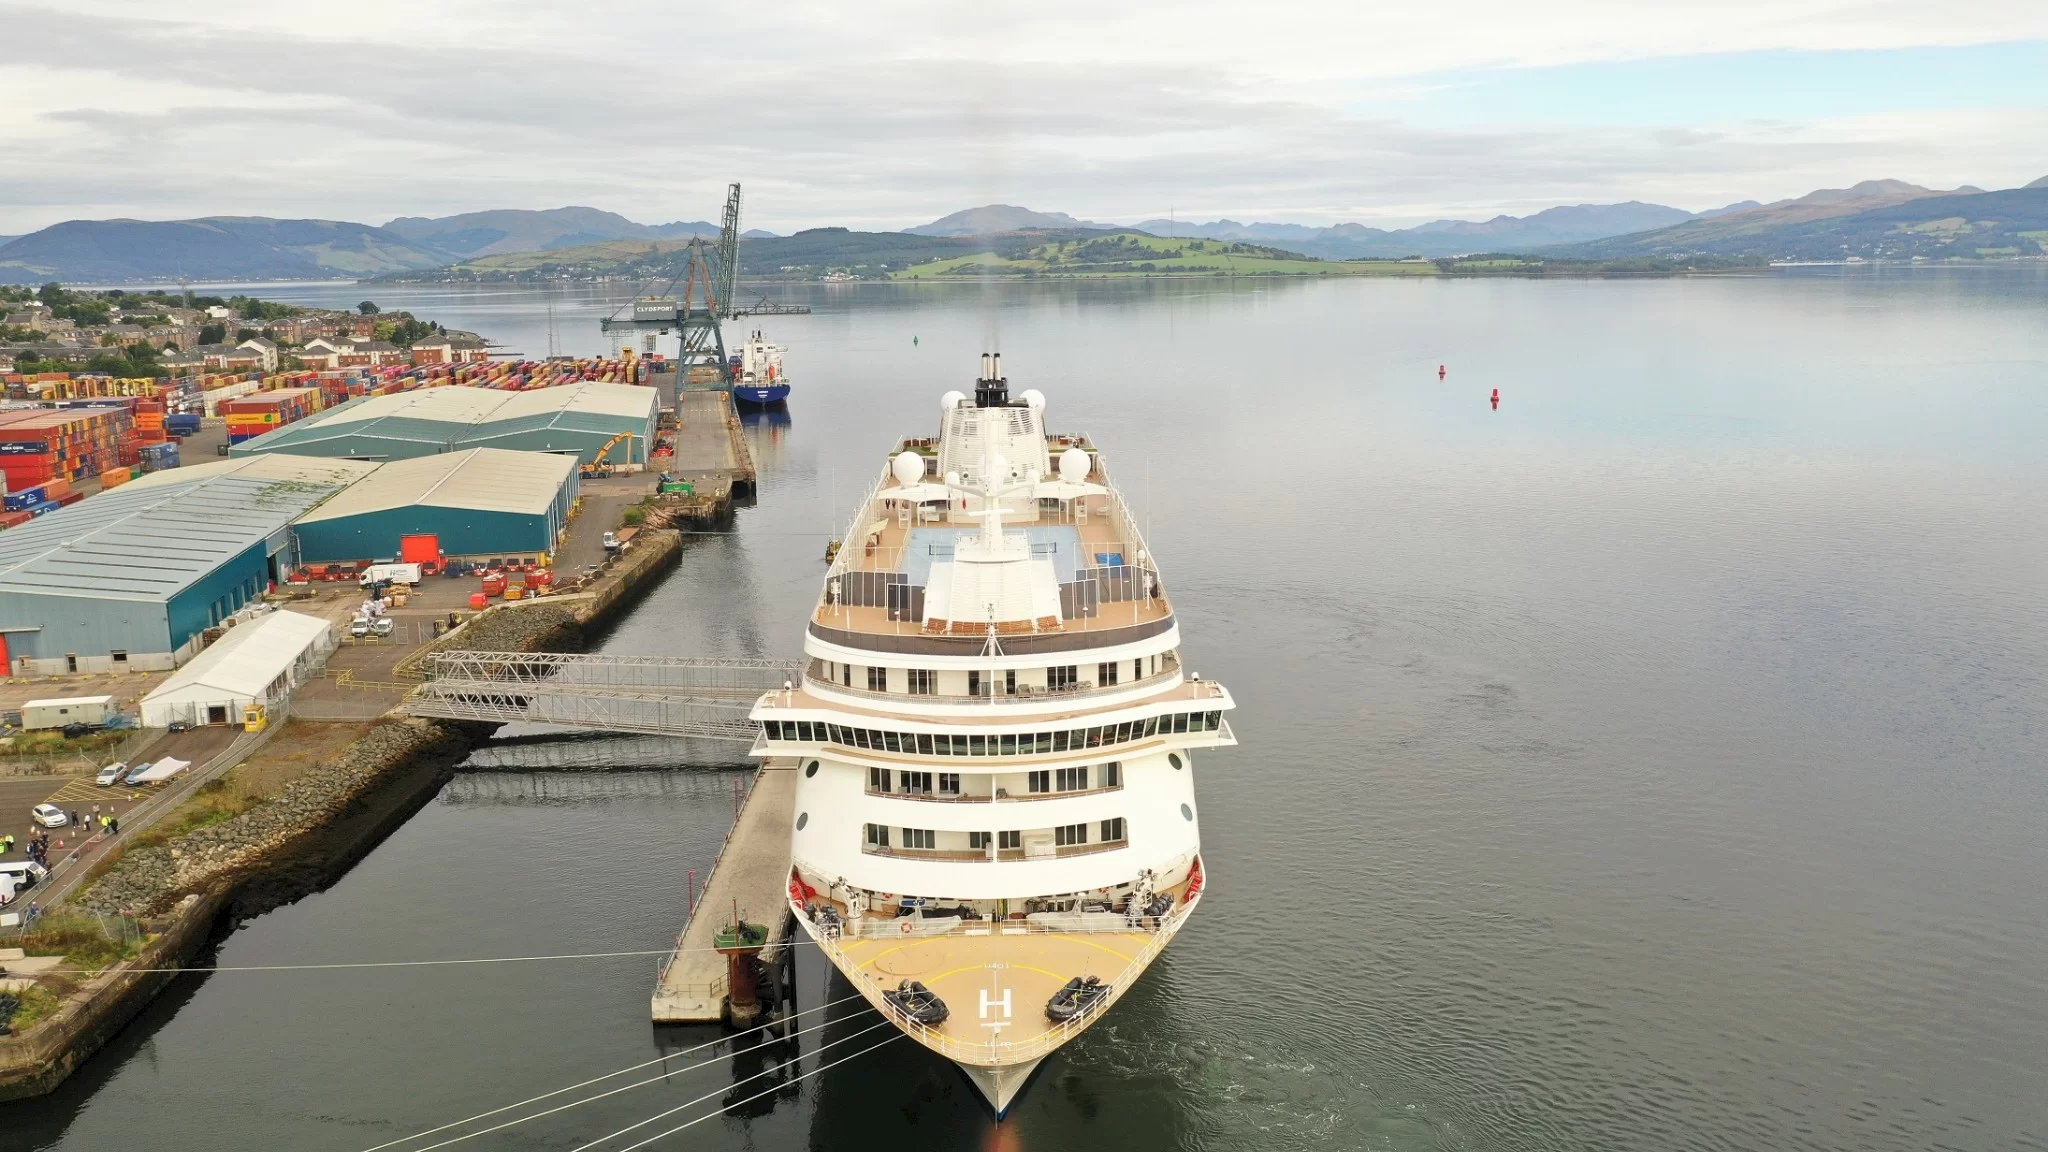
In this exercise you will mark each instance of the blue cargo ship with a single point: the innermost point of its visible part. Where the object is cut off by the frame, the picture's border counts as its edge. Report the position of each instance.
(758, 377)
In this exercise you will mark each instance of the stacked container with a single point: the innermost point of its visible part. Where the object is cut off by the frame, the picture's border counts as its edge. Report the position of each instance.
(65, 444)
(159, 457)
(252, 416)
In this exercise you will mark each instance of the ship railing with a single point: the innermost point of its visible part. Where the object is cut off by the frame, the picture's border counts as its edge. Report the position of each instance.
(1001, 855)
(990, 1052)
(1169, 671)
(1008, 1050)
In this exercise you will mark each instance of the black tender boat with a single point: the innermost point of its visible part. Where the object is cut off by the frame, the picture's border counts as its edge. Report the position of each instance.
(917, 1002)
(1076, 999)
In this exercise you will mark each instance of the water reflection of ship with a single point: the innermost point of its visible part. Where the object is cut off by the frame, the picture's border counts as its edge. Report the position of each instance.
(767, 434)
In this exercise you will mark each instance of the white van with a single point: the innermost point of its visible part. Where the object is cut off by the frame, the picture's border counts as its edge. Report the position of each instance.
(18, 876)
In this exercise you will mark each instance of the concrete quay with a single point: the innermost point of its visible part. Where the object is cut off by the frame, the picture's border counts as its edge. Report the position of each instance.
(752, 872)
(711, 448)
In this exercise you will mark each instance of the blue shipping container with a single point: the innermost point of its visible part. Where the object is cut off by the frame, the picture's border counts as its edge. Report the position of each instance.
(26, 498)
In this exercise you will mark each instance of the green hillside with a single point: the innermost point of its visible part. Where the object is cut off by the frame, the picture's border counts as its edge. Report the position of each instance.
(1978, 226)
(1138, 254)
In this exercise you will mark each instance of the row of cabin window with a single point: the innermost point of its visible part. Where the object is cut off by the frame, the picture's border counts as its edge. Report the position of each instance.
(1043, 781)
(1014, 744)
(925, 681)
(1066, 835)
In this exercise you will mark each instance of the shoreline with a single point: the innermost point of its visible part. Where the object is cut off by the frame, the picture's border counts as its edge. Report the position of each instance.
(193, 889)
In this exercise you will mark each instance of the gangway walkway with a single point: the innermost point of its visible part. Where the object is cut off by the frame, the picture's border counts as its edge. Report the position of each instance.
(655, 695)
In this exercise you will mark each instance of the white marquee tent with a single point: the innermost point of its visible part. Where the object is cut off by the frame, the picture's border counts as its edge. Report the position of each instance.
(258, 662)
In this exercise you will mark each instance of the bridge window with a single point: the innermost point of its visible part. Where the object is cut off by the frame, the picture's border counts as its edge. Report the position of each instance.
(878, 835)
(923, 681)
(1112, 830)
(1067, 834)
(924, 743)
(878, 679)
(920, 838)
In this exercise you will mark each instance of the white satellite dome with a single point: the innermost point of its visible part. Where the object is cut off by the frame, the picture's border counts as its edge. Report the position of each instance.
(908, 468)
(951, 400)
(953, 479)
(1074, 465)
(1034, 398)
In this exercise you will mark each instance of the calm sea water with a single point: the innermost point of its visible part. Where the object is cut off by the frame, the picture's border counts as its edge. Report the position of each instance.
(1654, 762)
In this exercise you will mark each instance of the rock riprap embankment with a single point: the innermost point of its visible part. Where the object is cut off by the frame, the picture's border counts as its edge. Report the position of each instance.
(150, 879)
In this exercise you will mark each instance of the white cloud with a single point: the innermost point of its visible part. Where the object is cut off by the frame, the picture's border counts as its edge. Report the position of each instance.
(886, 114)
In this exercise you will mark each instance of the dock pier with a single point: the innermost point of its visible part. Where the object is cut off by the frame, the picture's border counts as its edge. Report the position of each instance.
(711, 446)
(750, 873)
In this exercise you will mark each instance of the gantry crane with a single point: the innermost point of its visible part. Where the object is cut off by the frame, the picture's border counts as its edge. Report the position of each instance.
(703, 357)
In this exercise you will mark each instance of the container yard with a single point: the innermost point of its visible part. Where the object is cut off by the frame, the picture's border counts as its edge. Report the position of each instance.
(39, 446)
(253, 415)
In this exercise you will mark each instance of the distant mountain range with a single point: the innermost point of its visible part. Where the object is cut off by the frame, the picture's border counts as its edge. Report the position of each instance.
(260, 248)
(518, 230)
(1874, 220)
(214, 248)
(996, 219)
(1562, 225)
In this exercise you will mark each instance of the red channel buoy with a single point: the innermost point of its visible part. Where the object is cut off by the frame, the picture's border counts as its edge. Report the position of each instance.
(1439, 371)
(1496, 398)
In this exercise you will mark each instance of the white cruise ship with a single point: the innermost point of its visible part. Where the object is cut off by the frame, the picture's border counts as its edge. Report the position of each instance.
(996, 828)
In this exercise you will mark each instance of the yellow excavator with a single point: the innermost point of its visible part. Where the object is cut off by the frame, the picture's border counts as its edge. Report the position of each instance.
(599, 465)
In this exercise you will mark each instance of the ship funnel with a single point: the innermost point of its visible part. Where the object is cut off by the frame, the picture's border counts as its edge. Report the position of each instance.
(991, 391)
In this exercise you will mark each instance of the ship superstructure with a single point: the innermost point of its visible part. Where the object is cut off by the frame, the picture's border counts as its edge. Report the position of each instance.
(996, 827)
(758, 376)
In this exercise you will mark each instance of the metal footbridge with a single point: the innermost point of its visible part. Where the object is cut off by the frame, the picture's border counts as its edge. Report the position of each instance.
(656, 695)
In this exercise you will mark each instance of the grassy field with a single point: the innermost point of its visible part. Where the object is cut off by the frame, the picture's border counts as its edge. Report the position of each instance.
(615, 251)
(1133, 254)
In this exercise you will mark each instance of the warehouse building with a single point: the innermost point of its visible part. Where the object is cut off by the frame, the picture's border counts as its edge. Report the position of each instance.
(132, 578)
(256, 664)
(580, 420)
(475, 504)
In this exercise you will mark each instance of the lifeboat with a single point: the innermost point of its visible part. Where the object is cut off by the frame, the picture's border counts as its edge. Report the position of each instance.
(917, 1002)
(1075, 999)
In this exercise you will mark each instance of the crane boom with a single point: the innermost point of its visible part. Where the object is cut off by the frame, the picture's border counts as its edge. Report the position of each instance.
(728, 252)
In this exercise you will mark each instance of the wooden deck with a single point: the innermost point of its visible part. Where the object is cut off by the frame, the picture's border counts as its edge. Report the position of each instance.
(996, 984)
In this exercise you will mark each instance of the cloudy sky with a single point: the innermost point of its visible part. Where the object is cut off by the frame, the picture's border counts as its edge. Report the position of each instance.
(885, 113)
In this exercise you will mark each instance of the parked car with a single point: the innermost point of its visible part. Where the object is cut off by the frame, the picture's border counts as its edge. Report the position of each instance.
(110, 775)
(382, 626)
(74, 731)
(359, 627)
(611, 541)
(135, 774)
(49, 816)
(181, 726)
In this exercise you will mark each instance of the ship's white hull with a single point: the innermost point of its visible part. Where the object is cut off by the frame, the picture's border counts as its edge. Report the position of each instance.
(1000, 1085)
